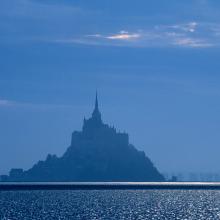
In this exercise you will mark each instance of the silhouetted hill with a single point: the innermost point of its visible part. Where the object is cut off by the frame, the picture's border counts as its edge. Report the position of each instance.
(97, 153)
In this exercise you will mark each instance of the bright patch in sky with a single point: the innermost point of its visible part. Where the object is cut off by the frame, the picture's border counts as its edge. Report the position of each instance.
(192, 35)
(123, 35)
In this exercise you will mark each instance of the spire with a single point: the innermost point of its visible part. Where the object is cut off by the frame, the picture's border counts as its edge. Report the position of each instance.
(96, 113)
(90, 125)
(96, 101)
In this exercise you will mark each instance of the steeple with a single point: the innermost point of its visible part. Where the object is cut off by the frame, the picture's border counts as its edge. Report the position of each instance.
(96, 102)
(96, 115)
(90, 125)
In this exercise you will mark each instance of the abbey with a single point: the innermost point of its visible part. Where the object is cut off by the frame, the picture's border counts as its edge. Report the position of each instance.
(97, 153)
(97, 134)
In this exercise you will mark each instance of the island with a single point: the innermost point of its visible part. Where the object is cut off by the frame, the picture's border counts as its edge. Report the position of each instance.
(98, 153)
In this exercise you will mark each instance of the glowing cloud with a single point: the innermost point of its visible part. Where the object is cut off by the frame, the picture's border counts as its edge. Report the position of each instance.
(191, 34)
(123, 35)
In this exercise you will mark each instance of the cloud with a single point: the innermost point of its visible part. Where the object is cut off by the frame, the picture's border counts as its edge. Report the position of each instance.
(16, 104)
(6, 103)
(26, 20)
(123, 35)
(190, 42)
(97, 24)
(188, 27)
(192, 35)
(120, 38)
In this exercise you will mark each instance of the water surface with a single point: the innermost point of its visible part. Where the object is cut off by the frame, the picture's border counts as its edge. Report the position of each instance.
(110, 204)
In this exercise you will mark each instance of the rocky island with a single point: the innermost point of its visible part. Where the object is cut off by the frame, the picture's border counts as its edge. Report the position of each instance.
(97, 153)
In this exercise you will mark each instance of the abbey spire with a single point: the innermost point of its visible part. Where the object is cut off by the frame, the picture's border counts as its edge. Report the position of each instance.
(96, 115)
(96, 101)
(91, 124)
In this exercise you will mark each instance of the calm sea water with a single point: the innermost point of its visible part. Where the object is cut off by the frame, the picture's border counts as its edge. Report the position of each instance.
(110, 204)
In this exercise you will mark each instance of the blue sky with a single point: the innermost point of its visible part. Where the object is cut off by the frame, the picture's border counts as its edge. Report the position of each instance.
(155, 64)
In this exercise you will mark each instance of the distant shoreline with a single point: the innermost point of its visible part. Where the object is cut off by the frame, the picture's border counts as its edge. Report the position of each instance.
(14, 186)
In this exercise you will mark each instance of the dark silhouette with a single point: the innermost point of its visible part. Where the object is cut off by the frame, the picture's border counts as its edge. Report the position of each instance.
(97, 153)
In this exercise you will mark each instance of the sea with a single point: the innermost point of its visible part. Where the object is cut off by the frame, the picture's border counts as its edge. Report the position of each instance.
(110, 204)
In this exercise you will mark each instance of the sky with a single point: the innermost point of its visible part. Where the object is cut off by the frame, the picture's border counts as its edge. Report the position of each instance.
(154, 63)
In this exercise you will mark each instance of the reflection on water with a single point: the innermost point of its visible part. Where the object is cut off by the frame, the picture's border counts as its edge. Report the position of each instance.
(110, 204)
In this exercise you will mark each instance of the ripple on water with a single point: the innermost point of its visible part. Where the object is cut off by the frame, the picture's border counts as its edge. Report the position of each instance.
(110, 204)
